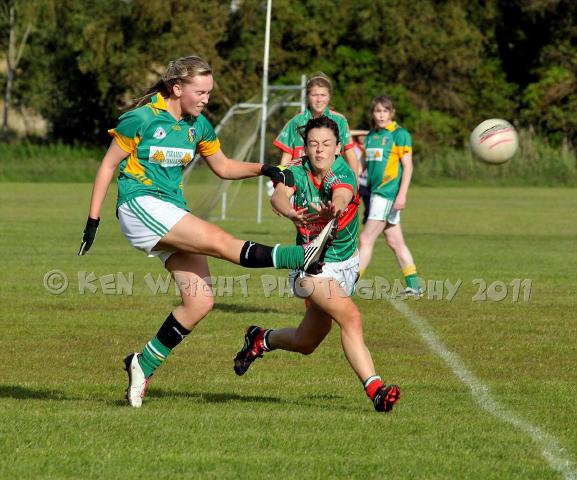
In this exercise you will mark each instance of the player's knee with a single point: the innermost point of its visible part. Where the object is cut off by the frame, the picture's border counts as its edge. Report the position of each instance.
(197, 310)
(307, 348)
(363, 240)
(220, 244)
(351, 319)
(395, 244)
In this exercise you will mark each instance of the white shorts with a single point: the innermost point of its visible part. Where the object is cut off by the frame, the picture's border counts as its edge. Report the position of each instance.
(383, 211)
(346, 273)
(145, 220)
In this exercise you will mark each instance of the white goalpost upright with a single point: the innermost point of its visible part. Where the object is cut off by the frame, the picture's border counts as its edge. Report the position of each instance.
(243, 150)
(264, 106)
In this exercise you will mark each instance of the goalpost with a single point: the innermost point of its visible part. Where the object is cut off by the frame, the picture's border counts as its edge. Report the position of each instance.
(238, 132)
(252, 117)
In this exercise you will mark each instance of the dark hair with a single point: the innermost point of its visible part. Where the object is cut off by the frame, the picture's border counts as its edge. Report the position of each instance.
(319, 122)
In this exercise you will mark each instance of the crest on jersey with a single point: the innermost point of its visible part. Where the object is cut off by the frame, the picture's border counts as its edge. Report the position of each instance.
(384, 141)
(159, 133)
(191, 134)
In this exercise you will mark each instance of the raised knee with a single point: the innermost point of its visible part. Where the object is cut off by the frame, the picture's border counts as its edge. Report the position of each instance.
(306, 349)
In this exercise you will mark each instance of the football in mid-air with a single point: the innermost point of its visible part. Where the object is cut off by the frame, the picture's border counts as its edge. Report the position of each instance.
(494, 141)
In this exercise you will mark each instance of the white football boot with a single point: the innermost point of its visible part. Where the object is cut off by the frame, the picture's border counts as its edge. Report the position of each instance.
(315, 251)
(137, 382)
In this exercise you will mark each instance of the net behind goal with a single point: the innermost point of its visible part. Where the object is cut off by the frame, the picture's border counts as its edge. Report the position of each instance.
(238, 133)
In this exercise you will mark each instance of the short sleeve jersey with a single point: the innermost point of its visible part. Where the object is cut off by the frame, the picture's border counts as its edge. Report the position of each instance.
(384, 149)
(159, 147)
(289, 139)
(308, 191)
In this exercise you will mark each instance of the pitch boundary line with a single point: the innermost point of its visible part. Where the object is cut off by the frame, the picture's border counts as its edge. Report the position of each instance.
(550, 448)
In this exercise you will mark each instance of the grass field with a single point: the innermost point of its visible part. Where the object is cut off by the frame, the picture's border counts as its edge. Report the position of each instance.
(488, 387)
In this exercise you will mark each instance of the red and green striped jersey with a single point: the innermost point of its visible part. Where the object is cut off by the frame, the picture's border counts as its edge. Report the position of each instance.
(289, 139)
(384, 149)
(307, 191)
(158, 148)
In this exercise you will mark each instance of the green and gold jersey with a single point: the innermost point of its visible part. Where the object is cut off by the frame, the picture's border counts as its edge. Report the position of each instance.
(307, 191)
(289, 139)
(158, 148)
(384, 149)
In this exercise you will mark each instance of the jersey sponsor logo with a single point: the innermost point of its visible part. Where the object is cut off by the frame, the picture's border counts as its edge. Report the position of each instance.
(313, 229)
(374, 154)
(159, 133)
(170, 157)
(191, 134)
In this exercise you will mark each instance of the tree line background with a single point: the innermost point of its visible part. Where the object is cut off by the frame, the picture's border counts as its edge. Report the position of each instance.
(448, 64)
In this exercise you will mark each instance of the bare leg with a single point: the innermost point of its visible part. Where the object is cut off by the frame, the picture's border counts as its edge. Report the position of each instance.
(367, 239)
(191, 274)
(331, 299)
(304, 339)
(396, 242)
(194, 235)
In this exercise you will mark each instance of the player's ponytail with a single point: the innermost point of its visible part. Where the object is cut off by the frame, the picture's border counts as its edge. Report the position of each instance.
(178, 71)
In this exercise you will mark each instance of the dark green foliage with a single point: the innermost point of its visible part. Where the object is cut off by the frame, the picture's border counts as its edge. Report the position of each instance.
(447, 64)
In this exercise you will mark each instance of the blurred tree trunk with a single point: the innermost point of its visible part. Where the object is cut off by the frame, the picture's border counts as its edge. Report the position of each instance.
(13, 58)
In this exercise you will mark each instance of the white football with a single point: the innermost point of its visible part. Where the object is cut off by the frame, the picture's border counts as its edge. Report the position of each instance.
(494, 141)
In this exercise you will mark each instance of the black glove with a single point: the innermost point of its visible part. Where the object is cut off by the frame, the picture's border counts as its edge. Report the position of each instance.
(279, 174)
(89, 234)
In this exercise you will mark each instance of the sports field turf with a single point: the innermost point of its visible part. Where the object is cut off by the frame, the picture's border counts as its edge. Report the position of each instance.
(488, 387)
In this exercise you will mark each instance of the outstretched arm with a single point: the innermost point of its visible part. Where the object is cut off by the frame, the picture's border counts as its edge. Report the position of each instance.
(229, 169)
(334, 208)
(280, 201)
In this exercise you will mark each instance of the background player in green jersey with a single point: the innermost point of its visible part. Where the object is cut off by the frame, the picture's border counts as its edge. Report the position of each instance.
(325, 189)
(152, 144)
(389, 160)
(290, 142)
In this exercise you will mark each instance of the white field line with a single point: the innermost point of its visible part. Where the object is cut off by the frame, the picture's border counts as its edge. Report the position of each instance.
(552, 451)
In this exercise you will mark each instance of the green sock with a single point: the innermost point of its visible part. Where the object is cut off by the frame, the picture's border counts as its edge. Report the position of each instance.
(288, 256)
(411, 279)
(413, 282)
(153, 355)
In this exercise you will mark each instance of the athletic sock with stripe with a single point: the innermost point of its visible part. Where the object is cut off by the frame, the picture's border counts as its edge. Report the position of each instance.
(170, 334)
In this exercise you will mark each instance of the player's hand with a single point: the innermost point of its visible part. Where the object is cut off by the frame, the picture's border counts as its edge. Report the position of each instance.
(298, 216)
(328, 211)
(279, 174)
(400, 202)
(89, 235)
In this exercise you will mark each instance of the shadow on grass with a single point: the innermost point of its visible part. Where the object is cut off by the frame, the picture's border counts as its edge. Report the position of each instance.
(306, 401)
(25, 393)
(237, 308)
(313, 400)
(208, 397)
